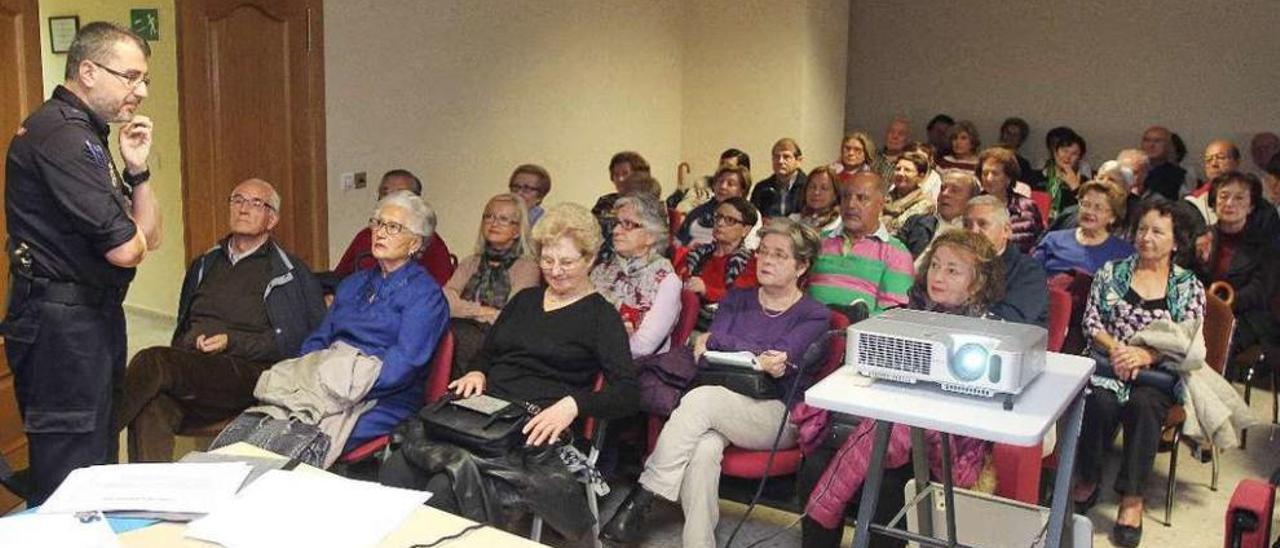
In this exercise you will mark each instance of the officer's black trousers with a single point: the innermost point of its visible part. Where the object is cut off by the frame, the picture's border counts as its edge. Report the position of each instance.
(68, 364)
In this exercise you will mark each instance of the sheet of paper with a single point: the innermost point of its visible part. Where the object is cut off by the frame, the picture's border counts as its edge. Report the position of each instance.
(179, 488)
(300, 509)
(32, 530)
(742, 359)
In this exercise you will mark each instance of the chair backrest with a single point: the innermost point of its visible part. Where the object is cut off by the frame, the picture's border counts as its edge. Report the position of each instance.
(1043, 202)
(441, 367)
(1219, 324)
(1059, 317)
(835, 348)
(690, 305)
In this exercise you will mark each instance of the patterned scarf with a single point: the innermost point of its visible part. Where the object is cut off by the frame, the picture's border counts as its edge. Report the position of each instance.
(630, 285)
(734, 266)
(895, 208)
(491, 283)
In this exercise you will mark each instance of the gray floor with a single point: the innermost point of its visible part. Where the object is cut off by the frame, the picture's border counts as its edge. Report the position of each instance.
(1197, 519)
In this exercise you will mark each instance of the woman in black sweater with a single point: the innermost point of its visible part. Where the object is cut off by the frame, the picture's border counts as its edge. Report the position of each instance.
(545, 349)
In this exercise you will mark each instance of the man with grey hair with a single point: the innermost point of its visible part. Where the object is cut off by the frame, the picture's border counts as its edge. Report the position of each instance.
(1220, 157)
(1025, 288)
(77, 228)
(245, 305)
(958, 187)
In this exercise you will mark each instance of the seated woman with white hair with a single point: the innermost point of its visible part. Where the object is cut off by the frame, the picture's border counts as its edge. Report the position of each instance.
(395, 313)
(637, 279)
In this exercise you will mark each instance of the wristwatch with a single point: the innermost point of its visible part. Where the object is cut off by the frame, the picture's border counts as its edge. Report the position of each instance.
(135, 180)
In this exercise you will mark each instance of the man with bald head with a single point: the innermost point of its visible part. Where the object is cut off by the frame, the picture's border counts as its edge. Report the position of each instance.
(864, 263)
(245, 305)
(1165, 177)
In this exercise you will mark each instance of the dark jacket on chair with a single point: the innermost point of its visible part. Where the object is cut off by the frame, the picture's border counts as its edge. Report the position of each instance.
(293, 299)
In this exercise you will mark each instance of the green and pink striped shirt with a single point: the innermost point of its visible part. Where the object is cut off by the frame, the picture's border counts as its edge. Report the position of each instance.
(877, 270)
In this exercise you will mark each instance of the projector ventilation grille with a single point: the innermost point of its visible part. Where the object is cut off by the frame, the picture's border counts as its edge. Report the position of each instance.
(894, 353)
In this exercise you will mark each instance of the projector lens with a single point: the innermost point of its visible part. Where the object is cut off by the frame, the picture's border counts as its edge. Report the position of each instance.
(969, 362)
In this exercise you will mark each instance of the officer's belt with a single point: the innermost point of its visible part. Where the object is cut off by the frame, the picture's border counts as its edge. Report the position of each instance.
(71, 293)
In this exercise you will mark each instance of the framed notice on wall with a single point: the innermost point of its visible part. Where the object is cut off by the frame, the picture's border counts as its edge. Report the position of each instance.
(62, 30)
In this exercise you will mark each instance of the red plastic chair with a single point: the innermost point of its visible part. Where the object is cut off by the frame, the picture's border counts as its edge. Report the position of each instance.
(690, 306)
(437, 383)
(1043, 202)
(1059, 318)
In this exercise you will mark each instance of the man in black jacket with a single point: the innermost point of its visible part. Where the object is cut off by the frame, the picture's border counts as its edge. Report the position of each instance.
(245, 305)
(1026, 297)
(783, 192)
(958, 187)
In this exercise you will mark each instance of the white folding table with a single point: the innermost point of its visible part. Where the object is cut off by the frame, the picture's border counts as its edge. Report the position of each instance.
(1059, 389)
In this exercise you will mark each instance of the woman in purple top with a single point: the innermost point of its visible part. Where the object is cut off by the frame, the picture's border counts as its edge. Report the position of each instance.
(777, 322)
(1091, 244)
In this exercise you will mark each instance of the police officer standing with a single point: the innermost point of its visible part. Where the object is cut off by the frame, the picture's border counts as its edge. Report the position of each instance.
(77, 228)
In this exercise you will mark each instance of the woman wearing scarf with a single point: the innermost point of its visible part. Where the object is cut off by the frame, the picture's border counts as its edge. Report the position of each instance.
(638, 280)
(907, 199)
(711, 269)
(482, 283)
(821, 209)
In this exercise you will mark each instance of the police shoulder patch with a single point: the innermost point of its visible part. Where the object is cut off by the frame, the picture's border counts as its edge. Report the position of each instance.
(95, 154)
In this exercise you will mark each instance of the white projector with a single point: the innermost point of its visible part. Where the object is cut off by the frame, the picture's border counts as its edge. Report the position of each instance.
(962, 354)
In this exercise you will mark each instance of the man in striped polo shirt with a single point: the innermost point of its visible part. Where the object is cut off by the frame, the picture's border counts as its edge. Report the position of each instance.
(864, 262)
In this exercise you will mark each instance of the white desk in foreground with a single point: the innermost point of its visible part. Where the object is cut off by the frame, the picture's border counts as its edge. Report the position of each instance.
(425, 525)
(926, 406)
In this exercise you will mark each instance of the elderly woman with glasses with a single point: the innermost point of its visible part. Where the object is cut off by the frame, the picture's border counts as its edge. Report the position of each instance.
(395, 313)
(776, 323)
(546, 349)
(638, 280)
(1091, 244)
(501, 266)
(711, 269)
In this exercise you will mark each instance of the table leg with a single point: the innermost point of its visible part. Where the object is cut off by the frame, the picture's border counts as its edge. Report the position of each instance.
(871, 486)
(948, 489)
(1058, 514)
(920, 464)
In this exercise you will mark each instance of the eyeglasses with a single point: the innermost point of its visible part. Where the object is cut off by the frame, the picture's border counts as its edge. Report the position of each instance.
(131, 79)
(499, 220)
(548, 262)
(518, 188)
(627, 225)
(1218, 157)
(391, 227)
(727, 220)
(259, 204)
(1089, 205)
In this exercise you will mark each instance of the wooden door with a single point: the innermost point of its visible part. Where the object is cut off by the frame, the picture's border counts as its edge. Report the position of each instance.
(21, 88)
(251, 94)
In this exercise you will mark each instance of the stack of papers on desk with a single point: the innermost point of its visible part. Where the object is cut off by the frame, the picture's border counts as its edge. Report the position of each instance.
(177, 491)
(301, 509)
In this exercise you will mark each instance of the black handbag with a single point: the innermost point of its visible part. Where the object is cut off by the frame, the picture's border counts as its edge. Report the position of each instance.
(489, 430)
(1158, 376)
(748, 382)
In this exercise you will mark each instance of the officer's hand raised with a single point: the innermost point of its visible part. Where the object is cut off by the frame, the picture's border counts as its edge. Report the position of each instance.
(212, 344)
(135, 143)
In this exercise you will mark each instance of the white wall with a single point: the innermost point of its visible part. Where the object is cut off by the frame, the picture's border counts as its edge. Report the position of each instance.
(461, 91)
(1108, 69)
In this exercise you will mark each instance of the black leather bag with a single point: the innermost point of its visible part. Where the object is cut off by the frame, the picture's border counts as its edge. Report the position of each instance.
(1158, 376)
(748, 382)
(487, 434)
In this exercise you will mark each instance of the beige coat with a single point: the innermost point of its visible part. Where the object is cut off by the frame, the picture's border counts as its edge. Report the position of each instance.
(323, 388)
(1215, 411)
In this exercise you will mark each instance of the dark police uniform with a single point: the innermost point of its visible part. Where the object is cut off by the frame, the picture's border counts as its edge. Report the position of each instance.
(64, 330)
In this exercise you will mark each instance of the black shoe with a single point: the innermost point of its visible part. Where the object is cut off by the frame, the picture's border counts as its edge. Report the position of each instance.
(1126, 536)
(1083, 506)
(627, 524)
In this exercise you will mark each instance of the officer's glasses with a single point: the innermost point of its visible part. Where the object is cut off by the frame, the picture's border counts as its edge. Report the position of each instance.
(131, 79)
(237, 200)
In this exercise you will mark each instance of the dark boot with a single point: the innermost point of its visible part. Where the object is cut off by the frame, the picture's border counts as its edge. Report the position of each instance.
(627, 524)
